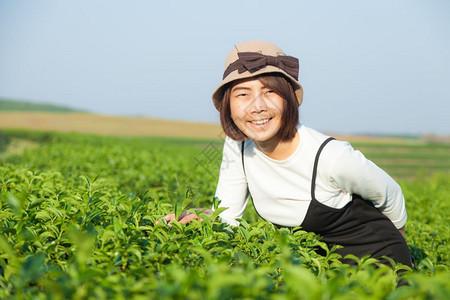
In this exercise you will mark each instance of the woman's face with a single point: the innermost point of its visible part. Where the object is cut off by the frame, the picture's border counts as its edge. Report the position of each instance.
(256, 110)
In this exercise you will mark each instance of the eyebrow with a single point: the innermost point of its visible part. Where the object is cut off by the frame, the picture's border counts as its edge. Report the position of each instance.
(239, 88)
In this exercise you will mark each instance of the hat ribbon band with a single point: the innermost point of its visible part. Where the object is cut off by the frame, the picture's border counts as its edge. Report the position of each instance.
(253, 61)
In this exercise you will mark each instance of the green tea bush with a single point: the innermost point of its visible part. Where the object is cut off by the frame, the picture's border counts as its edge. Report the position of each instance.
(77, 221)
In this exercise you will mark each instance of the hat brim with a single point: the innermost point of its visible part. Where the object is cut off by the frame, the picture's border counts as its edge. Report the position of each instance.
(235, 75)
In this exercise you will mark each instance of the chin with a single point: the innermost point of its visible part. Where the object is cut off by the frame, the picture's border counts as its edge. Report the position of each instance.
(260, 137)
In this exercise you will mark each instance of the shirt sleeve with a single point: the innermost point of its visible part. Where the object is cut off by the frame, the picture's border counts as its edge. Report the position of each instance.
(355, 174)
(232, 188)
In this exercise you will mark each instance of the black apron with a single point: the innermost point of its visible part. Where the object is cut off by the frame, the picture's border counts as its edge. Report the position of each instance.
(358, 226)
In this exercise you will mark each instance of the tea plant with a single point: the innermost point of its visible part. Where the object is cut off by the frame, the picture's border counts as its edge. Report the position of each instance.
(77, 221)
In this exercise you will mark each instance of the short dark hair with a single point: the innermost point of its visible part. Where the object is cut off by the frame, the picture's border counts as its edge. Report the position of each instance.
(280, 85)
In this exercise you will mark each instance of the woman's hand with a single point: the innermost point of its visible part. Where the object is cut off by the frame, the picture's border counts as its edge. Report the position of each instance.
(185, 217)
(402, 231)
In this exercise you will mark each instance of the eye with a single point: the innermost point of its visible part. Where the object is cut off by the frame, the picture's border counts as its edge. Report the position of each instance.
(241, 95)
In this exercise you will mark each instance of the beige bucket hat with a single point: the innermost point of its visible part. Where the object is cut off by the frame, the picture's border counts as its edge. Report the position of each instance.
(254, 58)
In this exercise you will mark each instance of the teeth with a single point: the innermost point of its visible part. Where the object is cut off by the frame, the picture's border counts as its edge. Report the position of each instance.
(260, 122)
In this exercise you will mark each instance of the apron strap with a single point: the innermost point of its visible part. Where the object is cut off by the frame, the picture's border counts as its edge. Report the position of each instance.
(316, 162)
(242, 156)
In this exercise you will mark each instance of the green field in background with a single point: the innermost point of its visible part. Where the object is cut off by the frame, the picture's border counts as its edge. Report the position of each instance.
(407, 160)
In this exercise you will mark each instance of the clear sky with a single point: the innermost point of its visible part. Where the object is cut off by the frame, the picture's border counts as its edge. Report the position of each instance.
(366, 67)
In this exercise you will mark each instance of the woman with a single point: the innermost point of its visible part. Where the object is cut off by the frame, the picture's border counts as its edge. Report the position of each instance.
(296, 175)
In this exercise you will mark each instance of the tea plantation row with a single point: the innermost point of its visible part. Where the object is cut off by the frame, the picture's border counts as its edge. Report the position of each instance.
(77, 217)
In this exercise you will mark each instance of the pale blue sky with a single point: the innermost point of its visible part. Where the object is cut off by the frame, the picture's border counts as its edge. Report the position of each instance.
(366, 67)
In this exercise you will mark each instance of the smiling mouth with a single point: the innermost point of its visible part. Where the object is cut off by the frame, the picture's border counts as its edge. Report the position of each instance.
(261, 122)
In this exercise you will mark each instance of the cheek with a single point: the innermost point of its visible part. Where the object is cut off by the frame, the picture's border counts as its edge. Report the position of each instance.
(277, 105)
(236, 110)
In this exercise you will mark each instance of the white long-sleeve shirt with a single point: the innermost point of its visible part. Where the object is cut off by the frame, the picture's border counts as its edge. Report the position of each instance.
(281, 189)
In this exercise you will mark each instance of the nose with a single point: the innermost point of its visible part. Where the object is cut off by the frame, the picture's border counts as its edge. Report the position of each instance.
(258, 104)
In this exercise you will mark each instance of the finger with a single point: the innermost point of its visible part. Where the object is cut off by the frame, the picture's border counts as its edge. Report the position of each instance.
(188, 218)
(167, 218)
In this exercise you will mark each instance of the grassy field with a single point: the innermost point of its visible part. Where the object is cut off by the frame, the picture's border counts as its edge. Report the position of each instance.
(408, 159)
(106, 125)
(77, 221)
